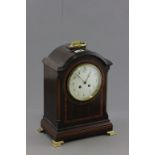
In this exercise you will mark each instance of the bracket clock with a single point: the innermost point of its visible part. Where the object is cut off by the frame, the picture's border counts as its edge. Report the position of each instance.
(75, 87)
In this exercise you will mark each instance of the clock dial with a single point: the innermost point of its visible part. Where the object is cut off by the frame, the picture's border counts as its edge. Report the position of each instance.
(84, 82)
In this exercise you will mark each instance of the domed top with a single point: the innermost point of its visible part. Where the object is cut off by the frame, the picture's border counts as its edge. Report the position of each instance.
(60, 58)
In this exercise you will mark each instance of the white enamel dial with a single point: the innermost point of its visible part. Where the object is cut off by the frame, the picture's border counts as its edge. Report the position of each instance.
(84, 82)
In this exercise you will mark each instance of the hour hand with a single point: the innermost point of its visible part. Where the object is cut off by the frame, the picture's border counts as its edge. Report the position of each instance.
(88, 76)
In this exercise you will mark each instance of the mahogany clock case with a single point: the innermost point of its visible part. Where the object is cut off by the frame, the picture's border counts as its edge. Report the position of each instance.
(64, 117)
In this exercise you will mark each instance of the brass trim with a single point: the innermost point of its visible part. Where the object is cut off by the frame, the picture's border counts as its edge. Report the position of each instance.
(40, 130)
(77, 44)
(111, 133)
(56, 144)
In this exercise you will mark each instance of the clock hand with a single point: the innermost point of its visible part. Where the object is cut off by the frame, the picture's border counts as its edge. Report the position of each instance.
(79, 77)
(88, 76)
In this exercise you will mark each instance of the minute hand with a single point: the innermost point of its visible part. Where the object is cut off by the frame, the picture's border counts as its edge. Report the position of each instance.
(88, 76)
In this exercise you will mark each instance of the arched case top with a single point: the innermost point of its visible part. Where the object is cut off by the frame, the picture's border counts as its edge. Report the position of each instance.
(62, 56)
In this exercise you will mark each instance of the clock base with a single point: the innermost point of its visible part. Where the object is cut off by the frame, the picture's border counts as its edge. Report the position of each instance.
(82, 131)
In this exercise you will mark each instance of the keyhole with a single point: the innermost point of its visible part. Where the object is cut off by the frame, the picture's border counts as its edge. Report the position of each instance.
(80, 86)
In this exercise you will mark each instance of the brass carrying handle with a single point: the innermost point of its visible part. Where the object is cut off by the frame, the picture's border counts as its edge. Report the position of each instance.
(77, 44)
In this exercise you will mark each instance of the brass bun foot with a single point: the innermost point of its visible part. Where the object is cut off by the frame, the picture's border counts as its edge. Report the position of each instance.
(40, 130)
(57, 143)
(111, 133)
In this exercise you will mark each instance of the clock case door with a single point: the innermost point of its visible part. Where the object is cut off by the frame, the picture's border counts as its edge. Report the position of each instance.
(61, 111)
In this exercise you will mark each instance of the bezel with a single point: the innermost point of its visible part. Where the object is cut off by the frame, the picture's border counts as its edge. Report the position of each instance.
(94, 93)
